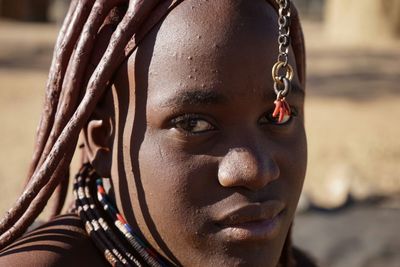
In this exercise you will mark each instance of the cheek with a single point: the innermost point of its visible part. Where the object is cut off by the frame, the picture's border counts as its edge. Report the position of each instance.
(293, 164)
(174, 183)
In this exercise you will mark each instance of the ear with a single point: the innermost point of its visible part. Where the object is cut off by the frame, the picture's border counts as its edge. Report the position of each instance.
(99, 135)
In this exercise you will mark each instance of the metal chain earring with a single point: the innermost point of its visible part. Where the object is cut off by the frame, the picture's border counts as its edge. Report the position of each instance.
(282, 71)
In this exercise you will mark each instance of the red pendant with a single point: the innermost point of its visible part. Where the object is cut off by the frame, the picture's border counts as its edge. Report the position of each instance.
(282, 108)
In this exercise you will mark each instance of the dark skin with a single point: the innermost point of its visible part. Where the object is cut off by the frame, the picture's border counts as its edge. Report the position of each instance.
(186, 136)
(61, 242)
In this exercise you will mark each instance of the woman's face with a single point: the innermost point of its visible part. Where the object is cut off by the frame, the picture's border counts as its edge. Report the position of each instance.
(200, 168)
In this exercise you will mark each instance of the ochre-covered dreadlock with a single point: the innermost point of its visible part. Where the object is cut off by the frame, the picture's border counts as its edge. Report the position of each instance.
(74, 89)
(47, 176)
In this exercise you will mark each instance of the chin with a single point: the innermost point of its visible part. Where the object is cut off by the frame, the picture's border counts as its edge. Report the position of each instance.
(258, 259)
(221, 253)
(265, 255)
(254, 245)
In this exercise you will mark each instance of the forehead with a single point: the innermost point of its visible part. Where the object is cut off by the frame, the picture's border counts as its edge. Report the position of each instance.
(225, 45)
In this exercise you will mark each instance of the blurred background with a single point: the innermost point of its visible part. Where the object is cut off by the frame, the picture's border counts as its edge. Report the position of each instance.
(349, 212)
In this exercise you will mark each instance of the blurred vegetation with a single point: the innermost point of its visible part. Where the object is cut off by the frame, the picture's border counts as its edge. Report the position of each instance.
(311, 9)
(33, 11)
(26, 10)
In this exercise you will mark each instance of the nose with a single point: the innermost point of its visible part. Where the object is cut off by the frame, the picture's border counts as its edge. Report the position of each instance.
(243, 167)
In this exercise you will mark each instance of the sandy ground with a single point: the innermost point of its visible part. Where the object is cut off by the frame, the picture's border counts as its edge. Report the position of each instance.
(352, 120)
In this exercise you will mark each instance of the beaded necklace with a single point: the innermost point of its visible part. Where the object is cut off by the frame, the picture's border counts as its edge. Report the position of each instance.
(118, 242)
(144, 250)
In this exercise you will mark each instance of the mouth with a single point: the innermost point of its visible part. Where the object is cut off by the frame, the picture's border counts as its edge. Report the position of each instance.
(253, 222)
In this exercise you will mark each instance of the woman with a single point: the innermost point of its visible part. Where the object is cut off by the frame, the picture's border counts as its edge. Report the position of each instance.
(180, 122)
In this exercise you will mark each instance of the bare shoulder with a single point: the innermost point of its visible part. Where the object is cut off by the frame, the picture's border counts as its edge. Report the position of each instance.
(60, 242)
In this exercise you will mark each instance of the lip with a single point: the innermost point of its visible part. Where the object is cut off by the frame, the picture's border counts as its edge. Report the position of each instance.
(252, 222)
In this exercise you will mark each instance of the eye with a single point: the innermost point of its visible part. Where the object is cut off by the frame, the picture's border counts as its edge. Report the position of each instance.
(269, 119)
(192, 124)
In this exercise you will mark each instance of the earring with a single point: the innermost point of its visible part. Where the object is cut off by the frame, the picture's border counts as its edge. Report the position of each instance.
(282, 71)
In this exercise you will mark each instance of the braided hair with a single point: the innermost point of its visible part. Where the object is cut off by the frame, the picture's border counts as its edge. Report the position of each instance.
(74, 88)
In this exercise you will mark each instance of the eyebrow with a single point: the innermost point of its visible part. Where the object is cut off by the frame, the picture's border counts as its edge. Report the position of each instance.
(201, 97)
(196, 97)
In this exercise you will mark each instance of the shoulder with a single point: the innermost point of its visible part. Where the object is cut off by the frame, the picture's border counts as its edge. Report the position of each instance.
(60, 242)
